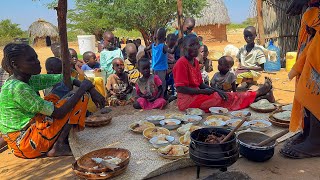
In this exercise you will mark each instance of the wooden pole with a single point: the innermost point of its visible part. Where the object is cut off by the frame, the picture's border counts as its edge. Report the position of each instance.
(180, 19)
(62, 26)
(260, 22)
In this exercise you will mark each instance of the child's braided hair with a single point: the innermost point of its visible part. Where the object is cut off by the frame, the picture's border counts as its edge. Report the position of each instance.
(11, 53)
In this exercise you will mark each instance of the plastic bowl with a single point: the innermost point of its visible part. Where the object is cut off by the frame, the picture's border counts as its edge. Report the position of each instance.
(176, 122)
(194, 119)
(252, 125)
(153, 141)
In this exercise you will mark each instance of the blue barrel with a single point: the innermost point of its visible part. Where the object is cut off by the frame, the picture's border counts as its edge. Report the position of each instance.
(273, 60)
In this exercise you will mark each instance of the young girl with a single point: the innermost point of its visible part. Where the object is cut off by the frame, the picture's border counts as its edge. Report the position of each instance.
(149, 88)
(160, 55)
(33, 126)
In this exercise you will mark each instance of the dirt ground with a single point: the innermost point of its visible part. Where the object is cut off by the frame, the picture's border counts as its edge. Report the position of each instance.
(277, 168)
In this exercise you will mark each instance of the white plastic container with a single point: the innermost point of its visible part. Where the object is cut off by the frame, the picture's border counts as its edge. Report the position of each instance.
(86, 43)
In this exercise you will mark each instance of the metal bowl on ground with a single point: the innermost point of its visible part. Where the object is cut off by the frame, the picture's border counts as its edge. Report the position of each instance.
(170, 123)
(249, 150)
(213, 155)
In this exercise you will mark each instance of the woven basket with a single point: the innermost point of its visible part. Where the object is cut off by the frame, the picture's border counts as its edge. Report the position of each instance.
(86, 164)
(89, 175)
(263, 110)
(279, 124)
(276, 119)
(98, 122)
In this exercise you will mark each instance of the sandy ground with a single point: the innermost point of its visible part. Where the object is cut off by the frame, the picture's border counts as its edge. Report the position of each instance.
(278, 168)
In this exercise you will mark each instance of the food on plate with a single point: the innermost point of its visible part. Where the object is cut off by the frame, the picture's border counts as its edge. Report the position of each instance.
(174, 150)
(161, 139)
(109, 161)
(287, 107)
(155, 118)
(187, 127)
(141, 126)
(262, 104)
(214, 122)
(156, 131)
(218, 110)
(186, 138)
(259, 124)
(194, 111)
(234, 123)
(175, 116)
(170, 123)
(214, 139)
(285, 115)
(216, 117)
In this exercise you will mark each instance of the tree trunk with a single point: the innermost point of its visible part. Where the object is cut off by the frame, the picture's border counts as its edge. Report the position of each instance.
(260, 22)
(62, 26)
(180, 23)
(145, 36)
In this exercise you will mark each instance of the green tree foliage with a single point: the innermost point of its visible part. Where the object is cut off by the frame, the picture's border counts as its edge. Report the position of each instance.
(97, 16)
(9, 29)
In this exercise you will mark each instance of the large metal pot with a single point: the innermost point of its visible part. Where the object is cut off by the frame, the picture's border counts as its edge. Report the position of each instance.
(213, 155)
(248, 150)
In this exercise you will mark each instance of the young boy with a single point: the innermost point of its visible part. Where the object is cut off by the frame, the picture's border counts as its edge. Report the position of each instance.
(171, 41)
(75, 65)
(225, 79)
(251, 58)
(110, 52)
(130, 64)
(160, 55)
(91, 61)
(118, 86)
(205, 63)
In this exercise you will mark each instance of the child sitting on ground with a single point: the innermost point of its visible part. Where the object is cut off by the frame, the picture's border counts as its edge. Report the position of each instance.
(149, 88)
(53, 66)
(159, 55)
(130, 64)
(109, 53)
(205, 63)
(225, 79)
(118, 86)
(91, 61)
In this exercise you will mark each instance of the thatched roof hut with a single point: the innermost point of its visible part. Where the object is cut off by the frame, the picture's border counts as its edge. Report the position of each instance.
(212, 25)
(43, 33)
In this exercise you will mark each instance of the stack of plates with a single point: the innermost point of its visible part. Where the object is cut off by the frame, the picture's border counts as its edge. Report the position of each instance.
(280, 118)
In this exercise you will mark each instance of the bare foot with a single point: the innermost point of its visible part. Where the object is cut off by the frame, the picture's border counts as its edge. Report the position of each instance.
(60, 150)
(270, 97)
(265, 88)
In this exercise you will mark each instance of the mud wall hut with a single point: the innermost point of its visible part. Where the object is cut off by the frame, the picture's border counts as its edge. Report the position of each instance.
(43, 33)
(212, 25)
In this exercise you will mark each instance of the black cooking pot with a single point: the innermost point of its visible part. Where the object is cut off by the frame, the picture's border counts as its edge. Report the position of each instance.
(248, 150)
(213, 155)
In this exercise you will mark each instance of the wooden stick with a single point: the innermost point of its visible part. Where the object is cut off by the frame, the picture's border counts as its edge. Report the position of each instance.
(180, 23)
(234, 130)
(62, 26)
(274, 137)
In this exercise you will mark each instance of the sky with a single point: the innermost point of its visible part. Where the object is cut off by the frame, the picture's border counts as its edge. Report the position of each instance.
(25, 12)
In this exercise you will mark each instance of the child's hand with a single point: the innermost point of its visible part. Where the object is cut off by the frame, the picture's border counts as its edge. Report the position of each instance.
(79, 64)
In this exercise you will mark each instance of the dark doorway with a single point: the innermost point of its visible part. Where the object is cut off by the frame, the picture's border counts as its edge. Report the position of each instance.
(48, 41)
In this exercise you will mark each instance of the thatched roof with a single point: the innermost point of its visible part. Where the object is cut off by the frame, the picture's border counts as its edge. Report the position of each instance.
(42, 28)
(214, 13)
